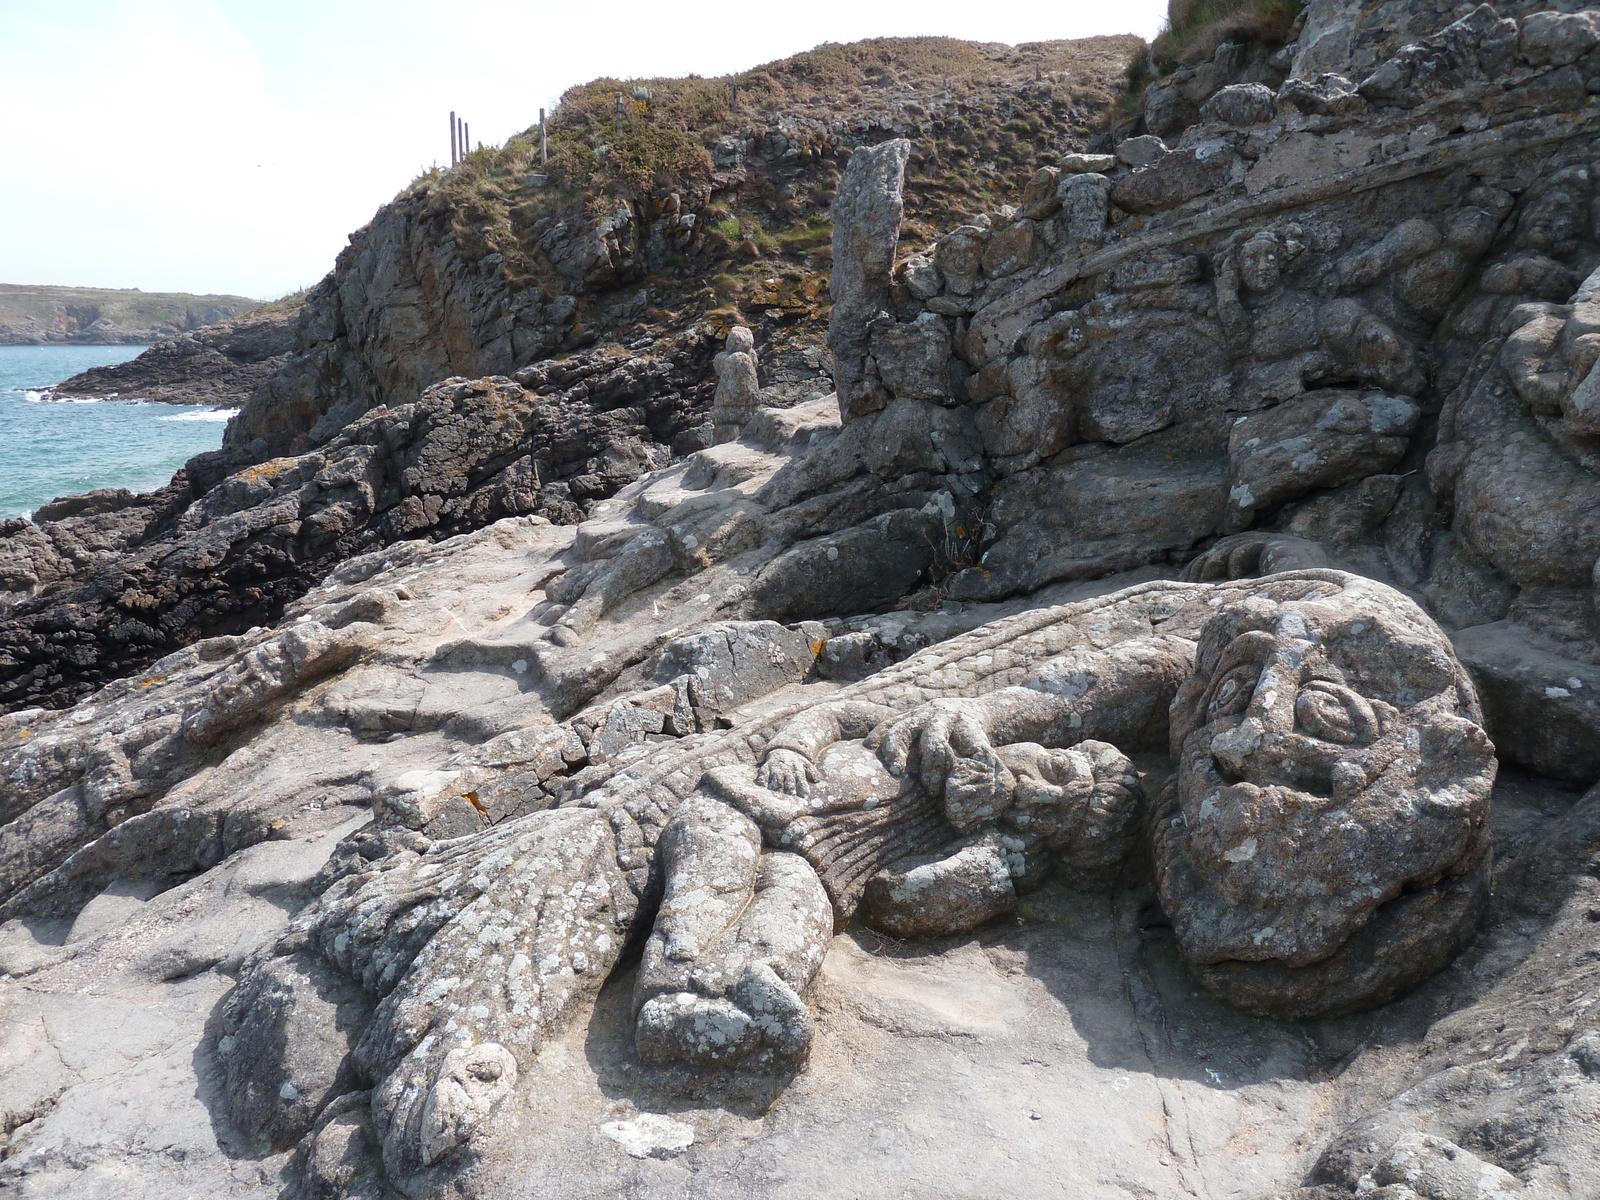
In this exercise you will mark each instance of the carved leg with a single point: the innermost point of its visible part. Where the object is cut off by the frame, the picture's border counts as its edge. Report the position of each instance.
(738, 940)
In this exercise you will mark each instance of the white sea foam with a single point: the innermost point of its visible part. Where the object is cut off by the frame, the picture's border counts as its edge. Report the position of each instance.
(214, 414)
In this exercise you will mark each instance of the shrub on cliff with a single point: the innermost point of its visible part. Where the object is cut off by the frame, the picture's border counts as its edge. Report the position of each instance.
(1195, 28)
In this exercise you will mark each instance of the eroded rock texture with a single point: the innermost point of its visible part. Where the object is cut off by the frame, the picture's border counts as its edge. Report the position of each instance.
(98, 587)
(1332, 714)
(652, 776)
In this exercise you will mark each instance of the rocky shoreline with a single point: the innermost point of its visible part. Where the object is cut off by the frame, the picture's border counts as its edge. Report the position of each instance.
(1137, 659)
(218, 365)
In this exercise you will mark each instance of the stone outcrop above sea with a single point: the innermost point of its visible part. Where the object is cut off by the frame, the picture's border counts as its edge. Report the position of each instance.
(219, 364)
(31, 316)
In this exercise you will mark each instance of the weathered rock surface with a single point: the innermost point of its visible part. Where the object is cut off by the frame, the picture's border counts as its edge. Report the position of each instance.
(1321, 315)
(118, 581)
(866, 230)
(738, 392)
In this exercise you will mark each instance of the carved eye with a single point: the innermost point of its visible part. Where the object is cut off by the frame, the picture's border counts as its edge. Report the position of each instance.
(1233, 693)
(1333, 713)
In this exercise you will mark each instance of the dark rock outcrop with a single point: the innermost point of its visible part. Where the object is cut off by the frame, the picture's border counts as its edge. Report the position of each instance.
(219, 365)
(103, 585)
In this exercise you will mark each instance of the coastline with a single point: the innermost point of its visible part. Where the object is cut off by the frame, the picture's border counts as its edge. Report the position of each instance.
(54, 446)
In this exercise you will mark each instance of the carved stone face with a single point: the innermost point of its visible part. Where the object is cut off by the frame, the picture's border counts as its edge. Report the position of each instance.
(471, 1082)
(1330, 757)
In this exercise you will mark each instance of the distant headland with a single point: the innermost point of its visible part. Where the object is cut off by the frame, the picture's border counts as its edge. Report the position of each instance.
(42, 315)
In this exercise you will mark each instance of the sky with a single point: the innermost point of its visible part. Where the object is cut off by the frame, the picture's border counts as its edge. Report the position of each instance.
(233, 145)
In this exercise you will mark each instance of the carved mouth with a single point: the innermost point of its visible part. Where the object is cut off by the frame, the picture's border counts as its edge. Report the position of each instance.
(1318, 786)
(1313, 780)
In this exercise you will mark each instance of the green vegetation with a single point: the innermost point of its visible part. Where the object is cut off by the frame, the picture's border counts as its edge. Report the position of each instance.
(981, 118)
(1194, 30)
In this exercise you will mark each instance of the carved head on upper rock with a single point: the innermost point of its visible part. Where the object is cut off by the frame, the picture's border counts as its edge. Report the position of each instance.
(1325, 842)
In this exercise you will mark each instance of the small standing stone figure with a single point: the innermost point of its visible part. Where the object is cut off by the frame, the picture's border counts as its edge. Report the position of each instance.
(738, 393)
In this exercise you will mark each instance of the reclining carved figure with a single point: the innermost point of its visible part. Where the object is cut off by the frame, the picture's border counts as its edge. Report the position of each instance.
(1322, 845)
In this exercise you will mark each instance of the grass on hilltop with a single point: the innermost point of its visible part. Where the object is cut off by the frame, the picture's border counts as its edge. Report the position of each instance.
(1195, 28)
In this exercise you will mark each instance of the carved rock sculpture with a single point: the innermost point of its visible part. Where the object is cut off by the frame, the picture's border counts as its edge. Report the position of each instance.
(738, 391)
(1322, 847)
(866, 230)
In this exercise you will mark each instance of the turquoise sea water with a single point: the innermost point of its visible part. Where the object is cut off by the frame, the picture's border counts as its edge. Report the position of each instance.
(57, 448)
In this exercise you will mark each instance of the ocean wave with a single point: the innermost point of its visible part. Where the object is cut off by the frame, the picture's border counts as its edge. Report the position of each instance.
(215, 414)
(48, 396)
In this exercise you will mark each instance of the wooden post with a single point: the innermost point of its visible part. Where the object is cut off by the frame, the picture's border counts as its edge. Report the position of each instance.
(544, 142)
(619, 118)
(452, 139)
(466, 134)
(733, 94)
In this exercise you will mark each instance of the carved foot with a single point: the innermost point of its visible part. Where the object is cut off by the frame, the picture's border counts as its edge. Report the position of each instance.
(739, 937)
(761, 1022)
(471, 1082)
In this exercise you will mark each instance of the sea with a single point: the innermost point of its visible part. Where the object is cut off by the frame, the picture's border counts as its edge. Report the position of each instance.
(51, 448)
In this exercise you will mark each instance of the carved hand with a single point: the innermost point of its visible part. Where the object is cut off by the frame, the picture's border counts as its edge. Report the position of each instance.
(930, 740)
(787, 771)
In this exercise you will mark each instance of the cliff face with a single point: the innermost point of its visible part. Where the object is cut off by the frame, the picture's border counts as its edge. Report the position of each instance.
(499, 263)
(486, 270)
(106, 316)
(1350, 310)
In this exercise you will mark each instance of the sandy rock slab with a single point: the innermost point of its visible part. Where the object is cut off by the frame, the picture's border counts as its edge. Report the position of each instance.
(107, 1082)
(1061, 1053)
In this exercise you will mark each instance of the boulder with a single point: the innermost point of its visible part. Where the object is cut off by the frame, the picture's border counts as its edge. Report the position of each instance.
(1039, 198)
(1541, 708)
(1031, 420)
(732, 662)
(913, 357)
(921, 277)
(1173, 179)
(1079, 164)
(1085, 199)
(1554, 39)
(1241, 105)
(1092, 511)
(284, 1053)
(856, 570)
(1141, 151)
(1323, 439)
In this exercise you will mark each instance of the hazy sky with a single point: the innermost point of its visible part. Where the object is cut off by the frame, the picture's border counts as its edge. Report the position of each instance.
(231, 145)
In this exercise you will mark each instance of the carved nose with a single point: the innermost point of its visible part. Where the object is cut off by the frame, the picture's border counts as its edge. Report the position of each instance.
(1268, 718)
(1234, 747)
